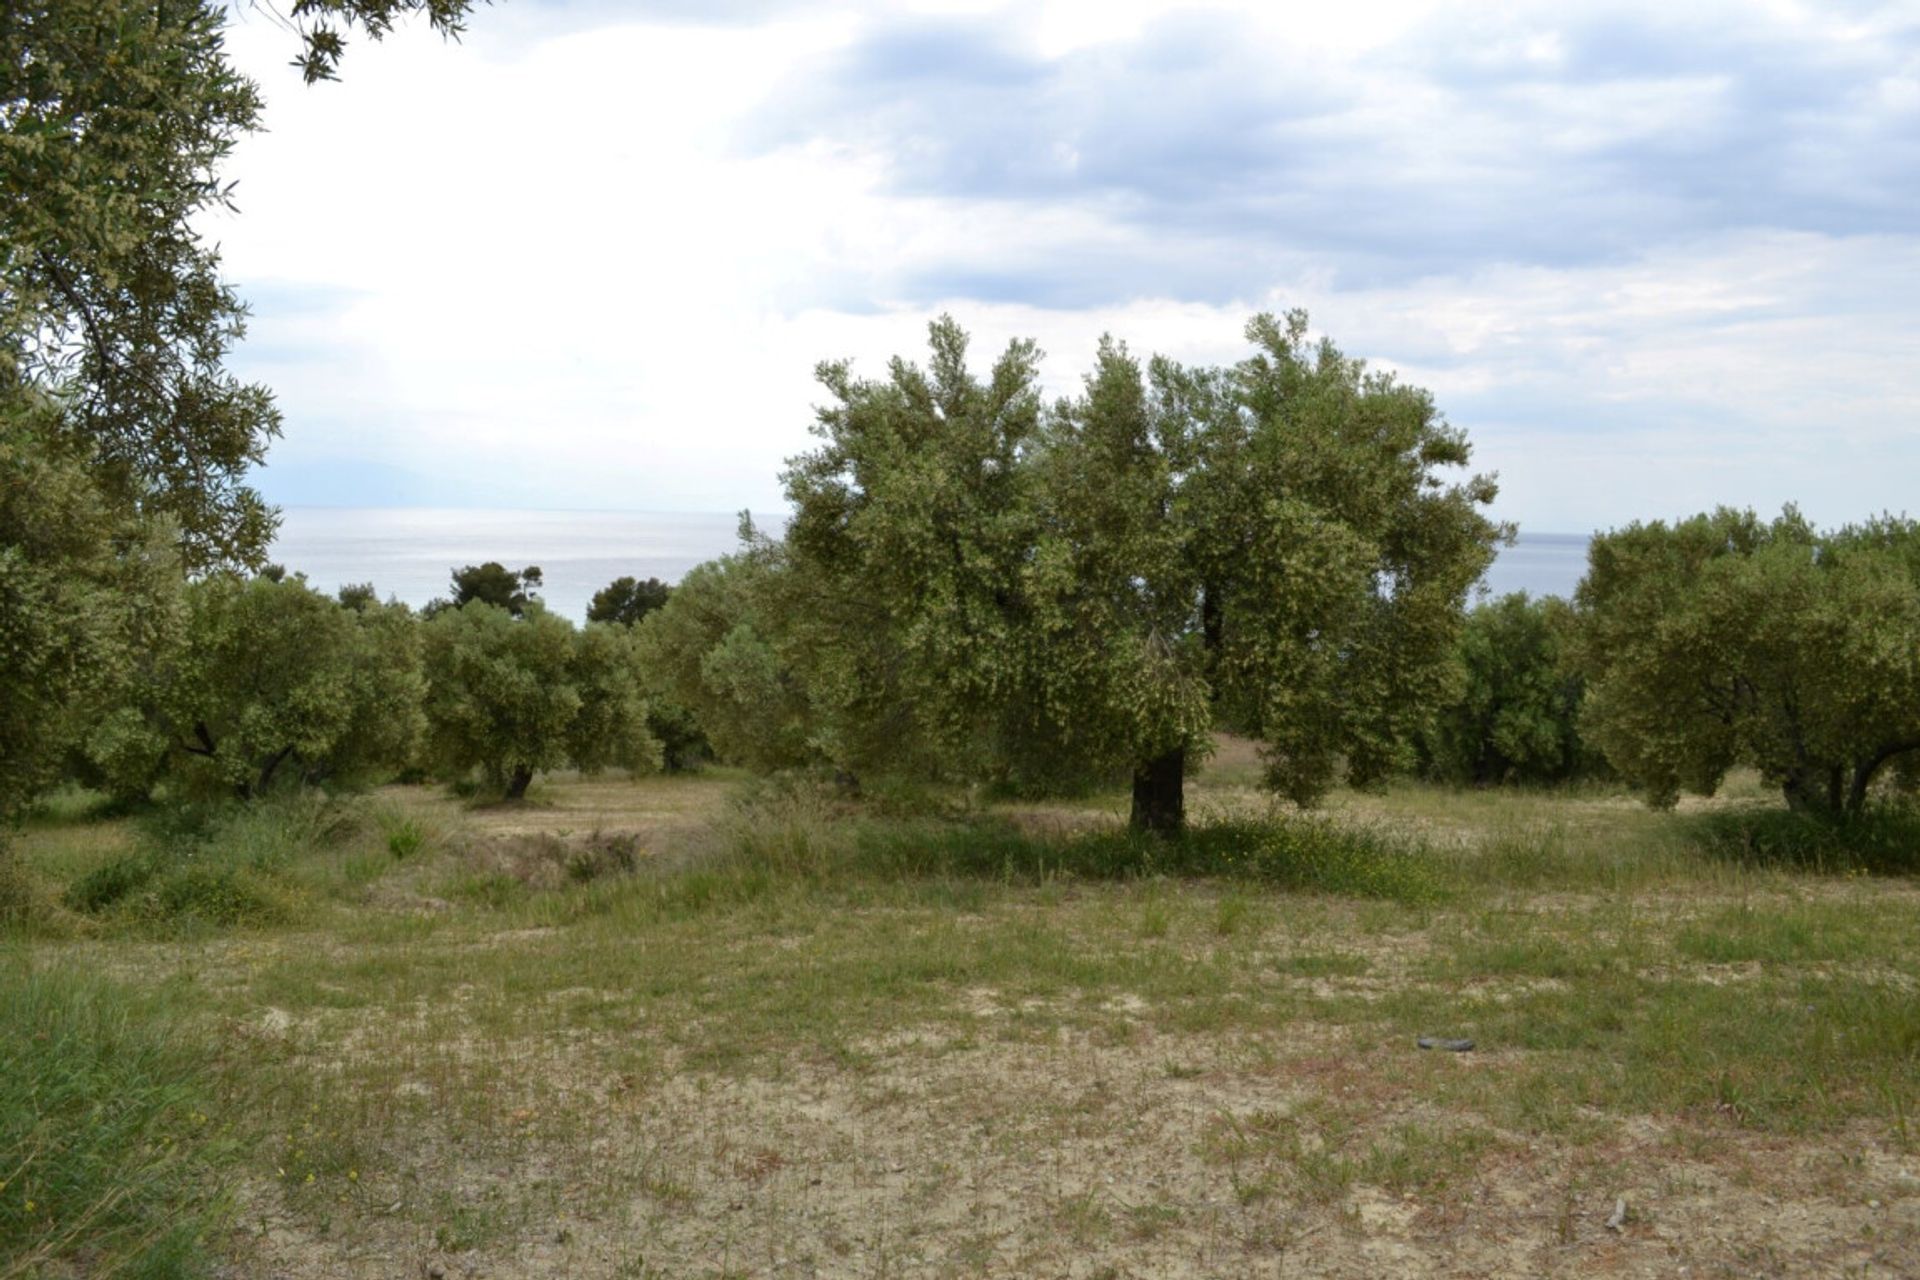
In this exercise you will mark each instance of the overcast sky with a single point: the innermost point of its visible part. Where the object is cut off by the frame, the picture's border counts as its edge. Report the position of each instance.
(1652, 257)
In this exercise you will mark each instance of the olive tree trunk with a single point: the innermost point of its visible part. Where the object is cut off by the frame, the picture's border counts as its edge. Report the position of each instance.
(518, 781)
(1159, 794)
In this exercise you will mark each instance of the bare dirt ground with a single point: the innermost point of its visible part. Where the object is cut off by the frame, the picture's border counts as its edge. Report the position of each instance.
(1080, 1157)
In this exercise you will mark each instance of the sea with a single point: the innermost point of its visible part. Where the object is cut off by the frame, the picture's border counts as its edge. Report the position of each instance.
(409, 553)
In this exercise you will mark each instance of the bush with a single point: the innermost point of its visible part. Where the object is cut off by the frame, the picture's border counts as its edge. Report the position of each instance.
(107, 1147)
(109, 884)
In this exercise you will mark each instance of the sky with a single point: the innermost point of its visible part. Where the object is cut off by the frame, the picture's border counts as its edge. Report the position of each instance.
(1651, 257)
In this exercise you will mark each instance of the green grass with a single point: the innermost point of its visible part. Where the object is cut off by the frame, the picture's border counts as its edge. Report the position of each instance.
(109, 1158)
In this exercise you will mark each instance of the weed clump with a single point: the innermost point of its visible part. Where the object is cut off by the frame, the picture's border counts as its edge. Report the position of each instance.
(404, 839)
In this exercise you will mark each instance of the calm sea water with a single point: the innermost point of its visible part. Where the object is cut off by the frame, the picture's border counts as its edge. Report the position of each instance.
(410, 552)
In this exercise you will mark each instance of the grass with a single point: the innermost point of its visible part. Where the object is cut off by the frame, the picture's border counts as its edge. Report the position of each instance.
(108, 1132)
(688, 1023)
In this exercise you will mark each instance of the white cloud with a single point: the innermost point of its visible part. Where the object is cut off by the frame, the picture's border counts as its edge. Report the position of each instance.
(547, 268)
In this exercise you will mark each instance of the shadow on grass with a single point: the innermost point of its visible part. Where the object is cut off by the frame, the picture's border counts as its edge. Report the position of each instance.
(1881, 841)
(1297, 853)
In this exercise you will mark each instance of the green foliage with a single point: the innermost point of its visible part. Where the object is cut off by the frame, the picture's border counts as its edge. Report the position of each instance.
(498, 697)
(1514, 717)
(117, 118)
(1723, 640)
(626, 600)
(404, 839)
(216, 865)
(495, 584)
(610, 730)
(84, 589)
(320, 23)
(108, 1146)
(1018, 593)
(513, 696)
(110, 883)
(713, 652)
(220, 864)
(683, 743)
(272, 683)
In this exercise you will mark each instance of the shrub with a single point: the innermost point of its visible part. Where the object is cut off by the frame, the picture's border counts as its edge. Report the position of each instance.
(109, 884)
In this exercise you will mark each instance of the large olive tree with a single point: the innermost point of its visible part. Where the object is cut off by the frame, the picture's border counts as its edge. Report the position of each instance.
(1093, 587)
(1726, 640)
(120, 427)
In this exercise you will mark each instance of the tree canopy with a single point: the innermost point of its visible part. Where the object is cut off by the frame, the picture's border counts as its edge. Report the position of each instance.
(117, 119)
(495, 584)
(627, 600)
(1514, 716)
(272, 682)
(85, 592)
(1725, 640)
(715, 650)
(513, 696)
(1092, 586)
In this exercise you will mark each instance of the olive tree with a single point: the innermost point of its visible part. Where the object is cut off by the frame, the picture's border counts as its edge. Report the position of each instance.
(1726, 640)
(117, 117)
(1514, 716)
(512, 696)
(1094, 586)
(715, 649)
(626, 602)
(272, 683)
(86, 592)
